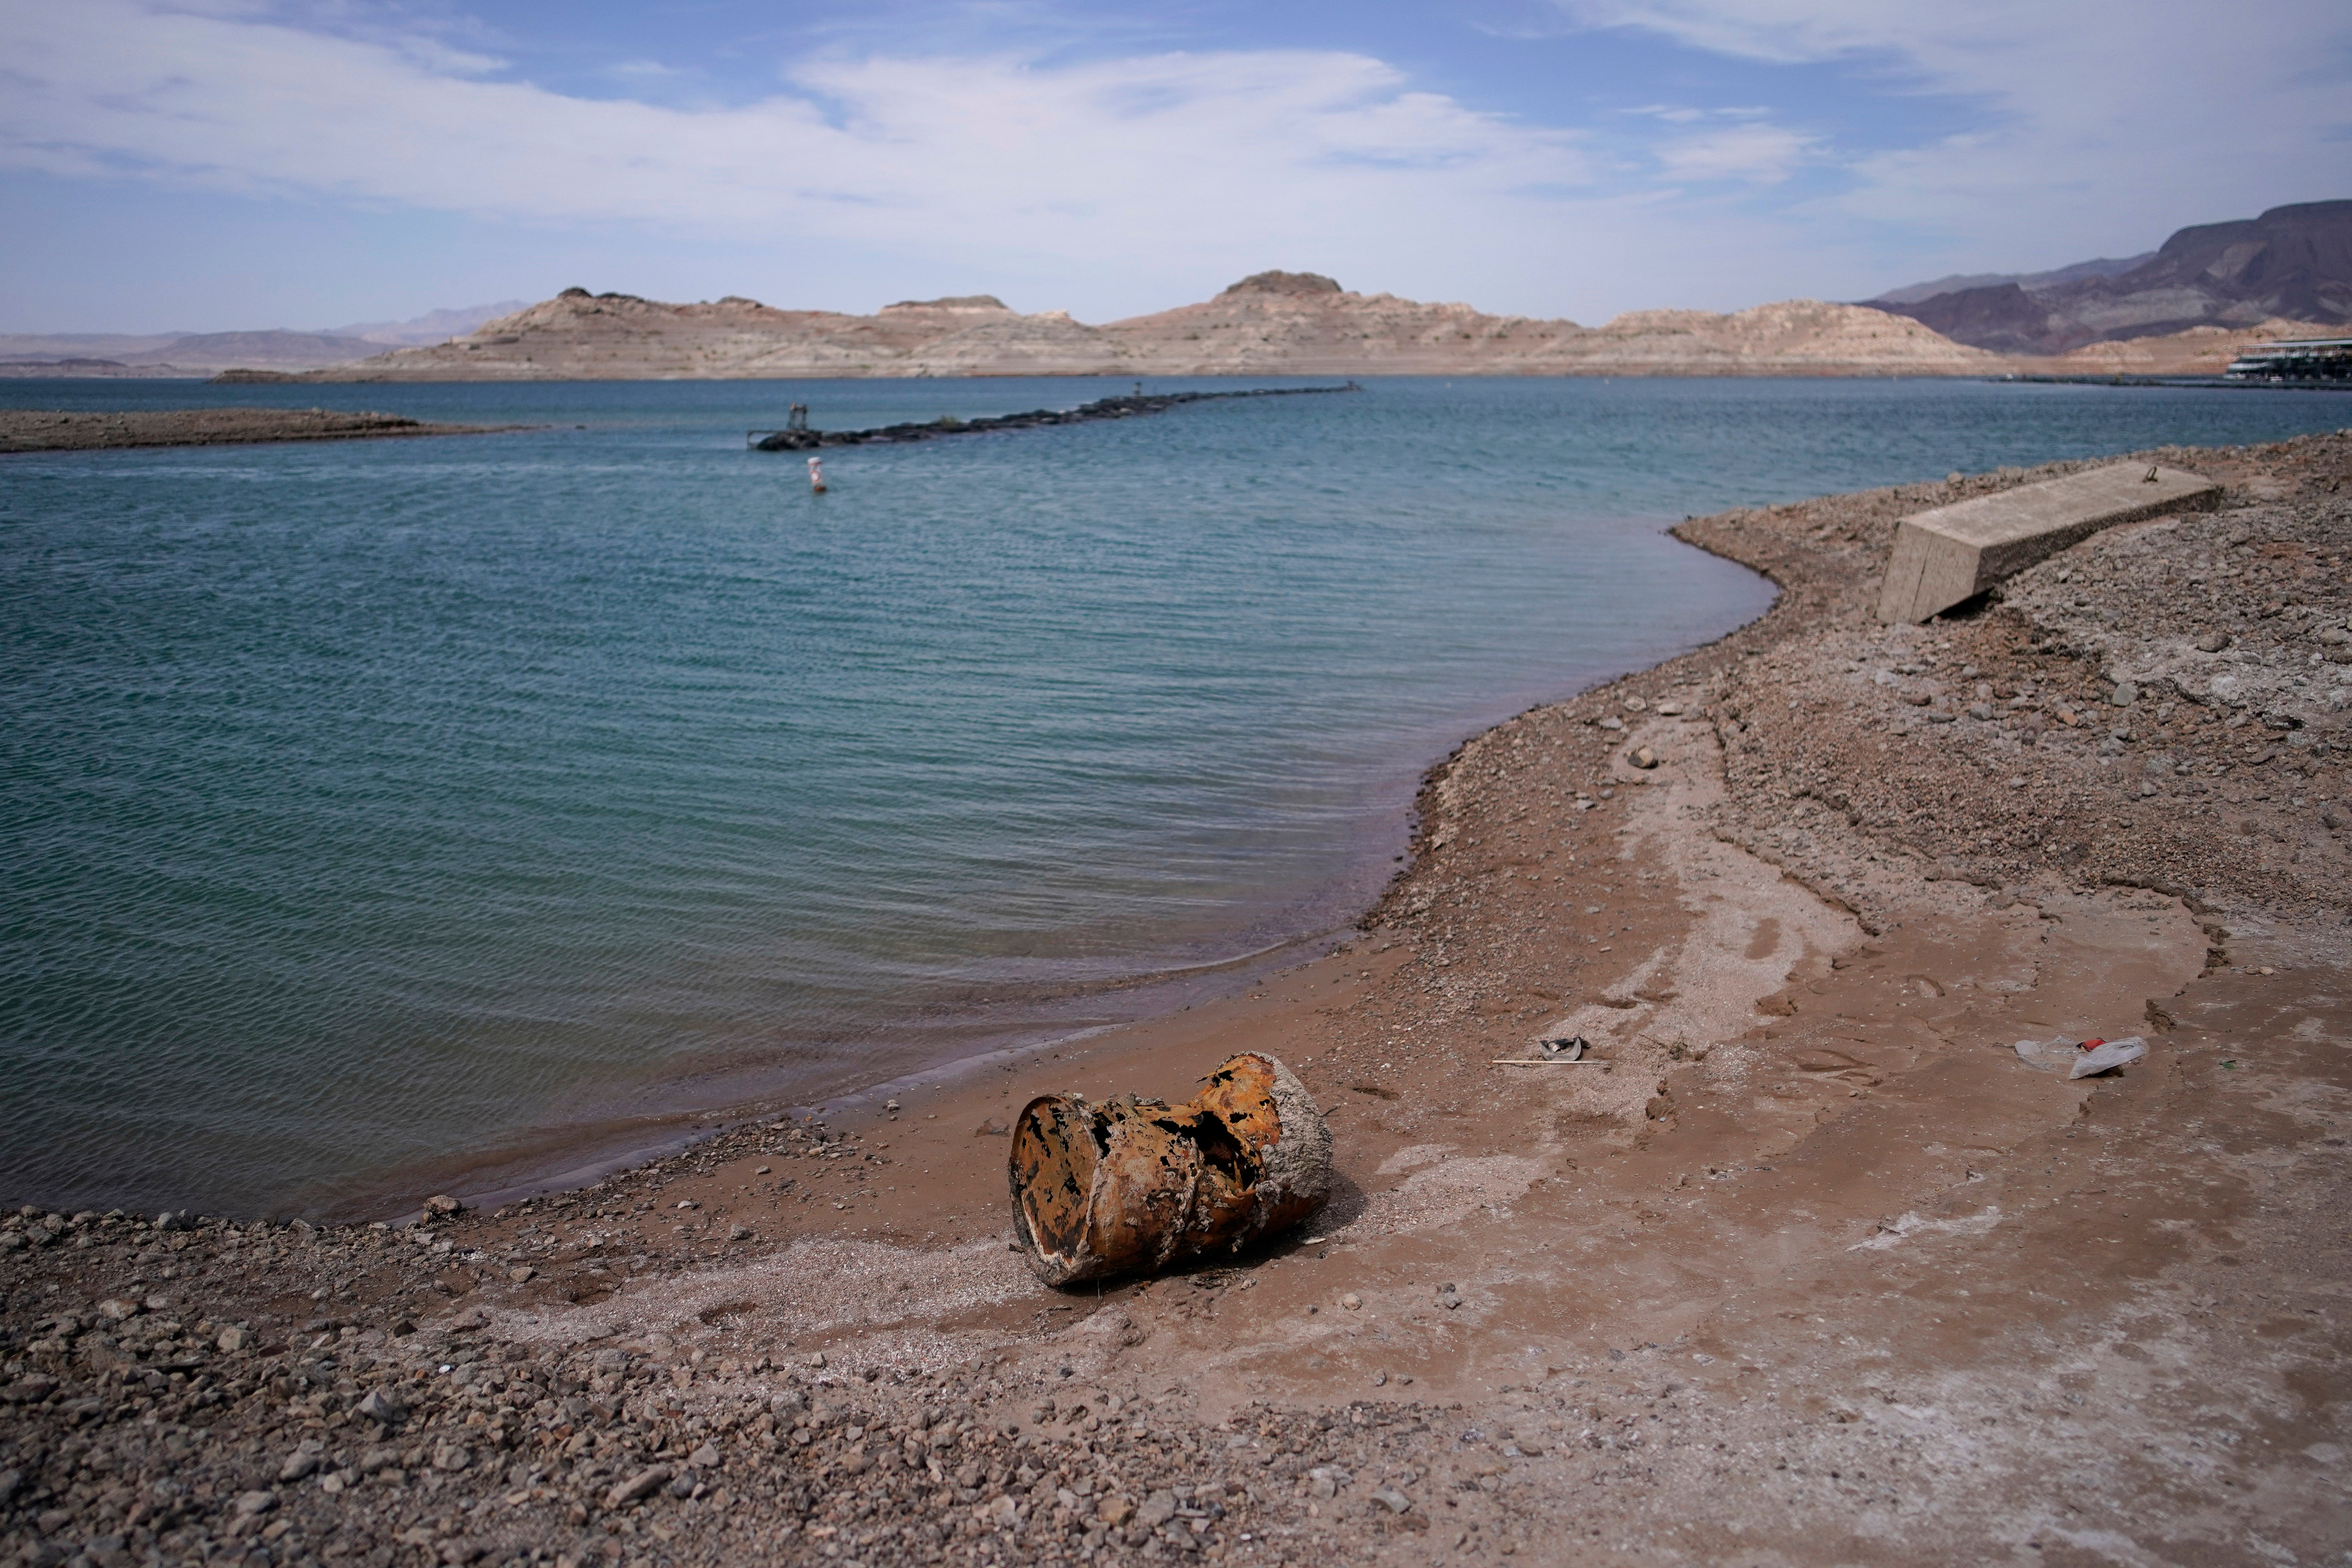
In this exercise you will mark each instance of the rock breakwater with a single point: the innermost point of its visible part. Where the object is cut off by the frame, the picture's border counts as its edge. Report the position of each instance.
(1127, 407)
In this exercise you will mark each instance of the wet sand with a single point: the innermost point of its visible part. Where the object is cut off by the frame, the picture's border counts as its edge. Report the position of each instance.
(1807, 1266)
(50, 431)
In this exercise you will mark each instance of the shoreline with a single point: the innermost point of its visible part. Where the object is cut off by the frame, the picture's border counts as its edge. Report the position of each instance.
(596, 1145)
(592, 1148)
(1808, 1265)
(54, 430)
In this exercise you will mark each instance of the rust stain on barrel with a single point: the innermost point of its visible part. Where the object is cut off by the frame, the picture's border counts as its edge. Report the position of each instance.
(1134, 1185)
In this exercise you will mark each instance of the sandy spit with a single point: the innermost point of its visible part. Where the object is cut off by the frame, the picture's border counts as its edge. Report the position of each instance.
(50, 431)
(1812, 1267)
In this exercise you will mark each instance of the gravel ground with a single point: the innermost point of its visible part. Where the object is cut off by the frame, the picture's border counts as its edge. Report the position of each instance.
(264, 1393)
(2168, 705)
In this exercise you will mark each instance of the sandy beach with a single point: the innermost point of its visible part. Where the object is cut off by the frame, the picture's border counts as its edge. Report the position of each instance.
(1806, 1265)
(51, 430)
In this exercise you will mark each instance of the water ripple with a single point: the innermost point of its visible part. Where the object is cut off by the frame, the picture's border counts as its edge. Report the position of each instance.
(363, 803)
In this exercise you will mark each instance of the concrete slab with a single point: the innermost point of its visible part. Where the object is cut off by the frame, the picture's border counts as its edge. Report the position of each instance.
(1956, 552)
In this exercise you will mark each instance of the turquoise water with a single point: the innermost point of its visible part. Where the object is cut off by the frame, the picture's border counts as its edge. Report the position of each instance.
(373, 804)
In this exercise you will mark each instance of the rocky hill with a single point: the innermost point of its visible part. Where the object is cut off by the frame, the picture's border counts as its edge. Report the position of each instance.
(2293, 263)
(179, 354)
(1296, 324)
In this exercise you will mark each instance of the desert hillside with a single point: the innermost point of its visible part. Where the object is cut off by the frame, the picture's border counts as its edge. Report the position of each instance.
(1271, 324)
(2197, 351)
(2293, 263)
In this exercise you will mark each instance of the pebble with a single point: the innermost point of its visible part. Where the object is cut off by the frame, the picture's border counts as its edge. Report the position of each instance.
(642, 1485)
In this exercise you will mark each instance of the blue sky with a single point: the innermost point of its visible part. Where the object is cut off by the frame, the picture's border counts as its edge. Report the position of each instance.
(206, 164)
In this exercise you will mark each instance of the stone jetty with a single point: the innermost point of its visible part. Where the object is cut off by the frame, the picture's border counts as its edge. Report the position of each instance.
(798, 440)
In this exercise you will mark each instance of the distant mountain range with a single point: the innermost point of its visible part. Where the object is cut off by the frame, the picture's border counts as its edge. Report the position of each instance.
(1270, 323)
(2182, 309)
(202, 353)
(2105, 266)
(433, 327)
(2293, 262)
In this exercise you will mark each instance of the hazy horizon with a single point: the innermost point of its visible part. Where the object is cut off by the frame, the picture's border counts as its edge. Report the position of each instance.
(186, 166)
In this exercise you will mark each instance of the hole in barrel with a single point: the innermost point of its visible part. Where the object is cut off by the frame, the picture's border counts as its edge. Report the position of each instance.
(1054, 1168)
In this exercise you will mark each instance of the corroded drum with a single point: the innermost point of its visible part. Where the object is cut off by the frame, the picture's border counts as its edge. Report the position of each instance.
(1136, 1184)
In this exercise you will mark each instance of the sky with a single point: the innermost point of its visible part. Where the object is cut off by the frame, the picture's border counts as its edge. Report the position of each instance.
(223, 164)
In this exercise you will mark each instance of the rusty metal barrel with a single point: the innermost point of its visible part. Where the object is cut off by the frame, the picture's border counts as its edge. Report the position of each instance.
(1134, 1185)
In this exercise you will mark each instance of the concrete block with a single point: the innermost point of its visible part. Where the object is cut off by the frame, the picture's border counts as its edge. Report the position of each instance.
(1956, 552)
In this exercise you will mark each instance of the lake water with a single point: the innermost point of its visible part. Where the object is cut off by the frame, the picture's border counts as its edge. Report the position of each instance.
(371, 806)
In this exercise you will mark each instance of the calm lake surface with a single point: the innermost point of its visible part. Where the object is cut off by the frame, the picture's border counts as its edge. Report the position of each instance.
(374, 805)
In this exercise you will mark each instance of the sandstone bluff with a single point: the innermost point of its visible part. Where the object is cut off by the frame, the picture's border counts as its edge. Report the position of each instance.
(1270, 323)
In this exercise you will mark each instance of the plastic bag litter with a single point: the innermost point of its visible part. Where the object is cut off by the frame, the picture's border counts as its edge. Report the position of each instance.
(2106, 1055)
(2083, 1061)
(2047, 1054)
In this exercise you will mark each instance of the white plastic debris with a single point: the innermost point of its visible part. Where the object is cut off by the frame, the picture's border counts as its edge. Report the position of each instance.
(2051, 1054)
(2108, 1055)
(2062, 1055)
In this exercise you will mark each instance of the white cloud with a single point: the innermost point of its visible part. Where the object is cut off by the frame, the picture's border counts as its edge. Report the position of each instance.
(1781, 31)
(1117, 184)
(1761, 155)
(1288, 154)
(2091, 124)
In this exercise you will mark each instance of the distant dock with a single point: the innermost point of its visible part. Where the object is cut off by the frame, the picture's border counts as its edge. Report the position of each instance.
(799, 439)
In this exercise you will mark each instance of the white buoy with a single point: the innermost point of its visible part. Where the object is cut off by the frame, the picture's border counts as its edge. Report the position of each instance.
(816, 476)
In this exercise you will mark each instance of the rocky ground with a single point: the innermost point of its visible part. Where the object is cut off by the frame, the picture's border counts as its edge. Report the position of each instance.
(1806, 1264)
(48, 430)
(2162, 705)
